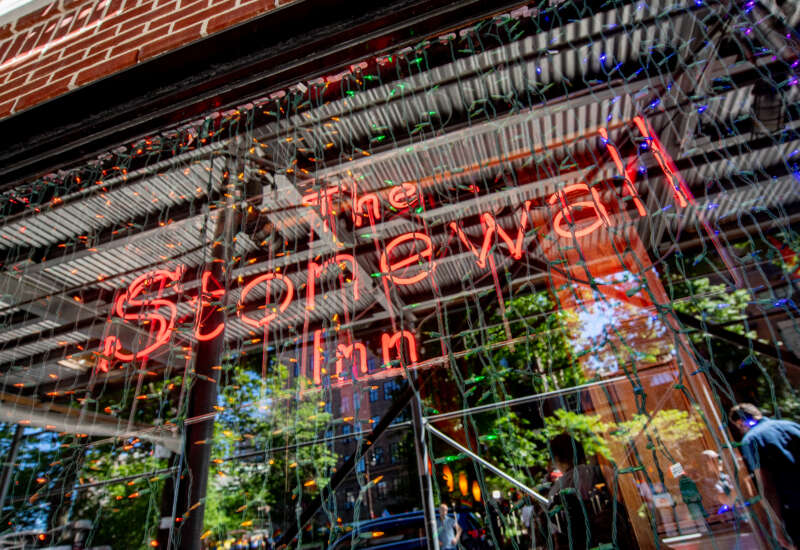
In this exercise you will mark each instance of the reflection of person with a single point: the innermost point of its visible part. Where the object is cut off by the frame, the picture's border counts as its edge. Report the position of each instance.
(771, 449)
(715, 476)
(449, 530)
(591, 515)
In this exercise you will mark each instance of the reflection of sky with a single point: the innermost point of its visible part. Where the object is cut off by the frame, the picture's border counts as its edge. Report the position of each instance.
(608, 328)
(259, 408)
(593, 324)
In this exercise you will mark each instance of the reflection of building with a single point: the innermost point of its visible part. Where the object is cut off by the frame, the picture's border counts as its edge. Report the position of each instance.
(357, 402)
(386, 461)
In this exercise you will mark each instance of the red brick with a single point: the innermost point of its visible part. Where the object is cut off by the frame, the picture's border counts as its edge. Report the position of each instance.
(16, 44)
(190, 16)
(237, 15)
(41, 94)
(35, 63)
(6, 108)
(31, 39)
(114, 6)
(117, 40)
(18, 88)
(35, 16)
(63, 26)
(48, 66)
(75, 65)
(97, 12)
(4, 47)
(49, 30)
(170, 42)
(81, 17)
(106, 68)
(12, 87)
(151, 14)
(194, 4)
(123, 18)
(70, 4)
(85, 41)
(5, 31)
(136, 42)
(142, 14)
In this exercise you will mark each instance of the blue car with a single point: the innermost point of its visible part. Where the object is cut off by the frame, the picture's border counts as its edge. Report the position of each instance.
(407, 532)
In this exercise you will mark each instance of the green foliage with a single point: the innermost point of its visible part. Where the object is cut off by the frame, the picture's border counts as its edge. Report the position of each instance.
(511, 432)
(113, 508)
(671, 426)
(531, 456)
(586, 429)
(714, 303)
(540, 357)
(259, 415)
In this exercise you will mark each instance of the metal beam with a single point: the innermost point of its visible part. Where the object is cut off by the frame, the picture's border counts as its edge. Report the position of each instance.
(488, 465)
(24, 410)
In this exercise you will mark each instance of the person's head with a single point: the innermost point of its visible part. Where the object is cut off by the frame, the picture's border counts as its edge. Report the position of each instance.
(567, 452)
(744, 416)
(443, 510)
(712, 462)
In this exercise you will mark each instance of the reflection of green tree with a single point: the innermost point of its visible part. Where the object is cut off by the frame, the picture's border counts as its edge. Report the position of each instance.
(264, 415)
(671, 426)
(714, 303)
(49, 465)
(123, 514)
(667, 429)
(752, 377)
(538, 358)
(587, 429)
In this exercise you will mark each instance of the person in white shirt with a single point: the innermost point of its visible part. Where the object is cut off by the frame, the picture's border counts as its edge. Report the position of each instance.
(449, 530)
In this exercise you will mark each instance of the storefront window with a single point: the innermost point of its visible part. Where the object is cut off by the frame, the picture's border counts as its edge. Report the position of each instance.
(522, 269)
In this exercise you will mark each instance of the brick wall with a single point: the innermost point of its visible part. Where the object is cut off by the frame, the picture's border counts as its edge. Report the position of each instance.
(70, 43)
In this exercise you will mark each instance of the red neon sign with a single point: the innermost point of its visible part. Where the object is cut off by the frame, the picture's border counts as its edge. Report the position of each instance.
(368, 202)
(566, 210)
(350, 351)
(490, 227)
(131, 299)
(665, 162)
(160, 314)
(270, 316)
(415, 258)
(205, 293)
(628, 173)
(389, 343)
(315, 270)
(404, 195)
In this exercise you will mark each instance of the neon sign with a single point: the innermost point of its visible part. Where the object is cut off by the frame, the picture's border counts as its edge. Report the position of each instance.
(406, 260)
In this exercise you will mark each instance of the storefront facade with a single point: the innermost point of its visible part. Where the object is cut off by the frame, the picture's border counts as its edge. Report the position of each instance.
(297, 292)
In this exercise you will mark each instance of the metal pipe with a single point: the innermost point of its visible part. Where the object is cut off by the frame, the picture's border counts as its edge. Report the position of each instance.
(425, 481)
(491, 467)
(521, 400)
(8, 467)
